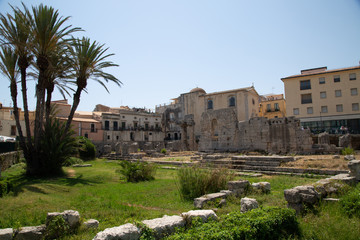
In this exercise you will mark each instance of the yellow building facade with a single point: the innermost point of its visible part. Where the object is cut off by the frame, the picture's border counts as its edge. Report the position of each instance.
(272, 106)
(325, 100)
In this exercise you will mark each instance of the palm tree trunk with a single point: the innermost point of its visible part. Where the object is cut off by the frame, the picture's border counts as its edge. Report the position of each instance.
(49, 92)
(76, 102)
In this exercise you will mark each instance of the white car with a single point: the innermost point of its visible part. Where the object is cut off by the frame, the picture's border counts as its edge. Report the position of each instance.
(7, 139)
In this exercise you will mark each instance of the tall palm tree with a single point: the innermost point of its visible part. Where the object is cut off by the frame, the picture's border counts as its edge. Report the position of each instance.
(14, 31)
(9, 68)
(49, 34)
(89, 59)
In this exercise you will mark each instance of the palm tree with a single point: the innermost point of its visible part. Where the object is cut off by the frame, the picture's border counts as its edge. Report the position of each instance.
(49, 34)
(89, 62)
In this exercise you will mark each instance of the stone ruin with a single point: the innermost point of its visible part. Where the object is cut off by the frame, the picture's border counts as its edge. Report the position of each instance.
(301, 198)
(220, 131)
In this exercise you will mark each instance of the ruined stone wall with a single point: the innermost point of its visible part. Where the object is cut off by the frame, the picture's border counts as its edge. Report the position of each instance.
(219, 131)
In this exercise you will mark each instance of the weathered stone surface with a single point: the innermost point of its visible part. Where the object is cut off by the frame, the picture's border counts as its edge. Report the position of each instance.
(263, 186)
(336, 157)
(235, 185)
(227, 192)
(30, 233)
(199, 202)
(349, 157)
(107, 149)
(248, 204)
(300, 196)
(354, 167)
(165, 225)
(124, 232)
(6, 234)
(50, 216)
(324, 138)
(71, 217)
(345, 140)
(92, 223)
(205, 215)
(222, 203)
(331, 199)
(345, 178)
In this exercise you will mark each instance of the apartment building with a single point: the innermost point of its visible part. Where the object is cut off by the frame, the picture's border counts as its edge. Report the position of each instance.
(325, 100)
(272, 106)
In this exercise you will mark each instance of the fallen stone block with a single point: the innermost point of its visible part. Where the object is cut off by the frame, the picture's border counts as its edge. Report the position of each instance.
(235, 185)
(248, 204)
(345, 178)
(263, 186)
(199, 202)
(6, 234)
(164, 226)
(349, 157)
(92, 223)
(124, 232)
(336, 157)
(205, 215)
(30, 233)
(331, 199)
(300, 197)
(70, 216)
(354, 167)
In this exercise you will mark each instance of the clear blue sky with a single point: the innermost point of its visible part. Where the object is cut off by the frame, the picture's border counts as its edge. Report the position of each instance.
(167, 47)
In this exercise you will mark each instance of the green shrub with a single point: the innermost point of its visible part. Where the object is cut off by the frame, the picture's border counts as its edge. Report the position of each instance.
(71, 161)
(163, 151)
(56, 146)
(351, 202)
(57, 227)
(266, 223)
(137, 171)
(87, 150)
(194, 181)
(347, 151)
(5, 187)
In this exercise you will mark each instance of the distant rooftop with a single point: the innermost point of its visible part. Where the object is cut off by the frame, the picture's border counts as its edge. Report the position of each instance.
(320, 70)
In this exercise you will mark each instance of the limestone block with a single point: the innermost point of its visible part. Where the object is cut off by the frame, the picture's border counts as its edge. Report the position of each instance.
(345, 178)
(200, 202)
(227, 192)
(349, 157)
(165, 225)
(124, 232)
(299, 197)
(205, 215)
(71, 217)
(30, 233)
(248, 204)
(354, 167)
(235, 185)
(336, 157)
(222, 203)
(92, 223)
(263, 186)
(107, 149)
(292, 196)
(6, 234)
(344, 141)
(50, 216)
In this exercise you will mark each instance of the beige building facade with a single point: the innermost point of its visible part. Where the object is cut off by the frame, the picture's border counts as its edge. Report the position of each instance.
(272, 106)
(325, 100)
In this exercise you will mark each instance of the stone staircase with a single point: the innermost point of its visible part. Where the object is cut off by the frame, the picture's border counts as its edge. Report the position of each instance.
(261, 164)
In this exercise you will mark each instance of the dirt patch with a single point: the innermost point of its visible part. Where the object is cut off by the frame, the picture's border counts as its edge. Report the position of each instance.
(71, 173)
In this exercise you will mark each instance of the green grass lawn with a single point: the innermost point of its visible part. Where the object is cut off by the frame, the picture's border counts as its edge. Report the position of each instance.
(97, 192)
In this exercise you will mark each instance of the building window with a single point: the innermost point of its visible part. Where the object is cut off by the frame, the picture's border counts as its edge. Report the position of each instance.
(123, 116)
(322, 94)
(231, 101)
(337, 93)
(337, 78)
(309, 110)
(123, 125)
(13, 130)
(210, 104)
(339, 108)
(355, 106)
(107, 125)
(268, 107)
(135, 124)
(352, 76)
(172, 116)
(296, 111)
(115, 126)
(92, 127)
(276, 106)
(306, 98)
(86, 135)
(322, 80)
(354, 91)
(117, 137)
(108, 137)
(324, 109)
(146, 126)
(305, 85)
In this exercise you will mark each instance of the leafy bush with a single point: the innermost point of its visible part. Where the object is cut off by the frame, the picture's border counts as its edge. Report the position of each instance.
(163, 151)
(347, 151)
(57, 227)
(137, 171)
(265, 223)
(87, 150)
(5, 187)
(56, 147)
(71, 161)
(194, 181)
(351, 202)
